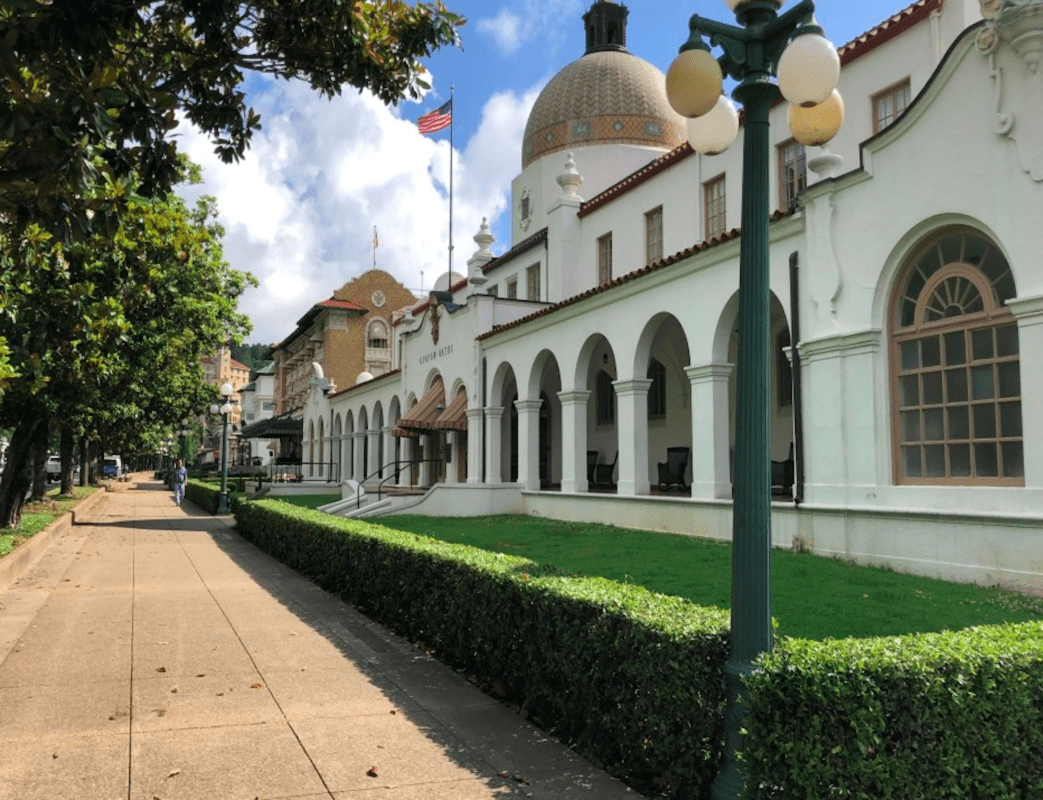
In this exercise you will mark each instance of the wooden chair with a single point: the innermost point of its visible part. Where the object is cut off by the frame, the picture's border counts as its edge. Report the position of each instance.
(603, 472)
(672, 472)
(592, 462)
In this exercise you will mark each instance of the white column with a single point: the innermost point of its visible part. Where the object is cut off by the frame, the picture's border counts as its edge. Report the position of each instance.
(389, 452)
(632, 430)
(494, 443)
(360, 449)
(711, 447)
(574, 440)
(405, 453)
(475, 417)
(1029, 313)
(374, 453)
(529, 443)
(452, 439)
(427, 468)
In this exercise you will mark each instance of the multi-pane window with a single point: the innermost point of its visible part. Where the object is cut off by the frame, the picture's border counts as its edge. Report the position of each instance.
(378, 335)
(793, 173)
(606, 398)
(713, 207)
(654, 235)
(605, 259)
(512, 288)
(657, 391)
(532, 277)
(957, 377)
(889, 104)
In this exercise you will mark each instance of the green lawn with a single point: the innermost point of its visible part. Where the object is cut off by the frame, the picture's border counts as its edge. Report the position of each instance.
(306, 500)
(812, 597)
(37, 516)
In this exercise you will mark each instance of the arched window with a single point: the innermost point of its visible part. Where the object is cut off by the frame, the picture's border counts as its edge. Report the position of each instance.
(377, 336)
(956, 381)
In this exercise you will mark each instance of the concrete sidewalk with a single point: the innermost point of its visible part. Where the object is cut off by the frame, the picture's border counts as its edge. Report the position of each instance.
(152, 654)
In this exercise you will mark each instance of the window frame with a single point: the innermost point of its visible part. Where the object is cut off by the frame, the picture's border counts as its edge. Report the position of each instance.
(715, 222)
(653, 234)
(532, 282)
(512, 287)
(956, 338)
(605, 259)
(605, 399)
(787, 203)
(890, 92)
(656, 372)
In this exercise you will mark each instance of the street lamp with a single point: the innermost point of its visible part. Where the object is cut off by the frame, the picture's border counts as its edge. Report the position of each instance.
(225, 410)
(792, 48)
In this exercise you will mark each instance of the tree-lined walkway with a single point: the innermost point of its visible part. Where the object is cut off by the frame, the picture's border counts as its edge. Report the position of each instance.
(152, 653)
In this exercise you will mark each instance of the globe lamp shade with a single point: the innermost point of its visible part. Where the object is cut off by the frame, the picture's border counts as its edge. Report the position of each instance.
(226, 389)
(808, 70)
(226, 409)
(734, 4)
(693, 82)
(715, 131)
(818, 124)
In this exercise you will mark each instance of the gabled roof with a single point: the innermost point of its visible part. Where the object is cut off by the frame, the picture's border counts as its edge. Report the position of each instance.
(655, 266)
(306, 321)
(238, 365)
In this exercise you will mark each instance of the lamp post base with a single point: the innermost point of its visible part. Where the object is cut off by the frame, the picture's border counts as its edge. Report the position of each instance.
(222, 503)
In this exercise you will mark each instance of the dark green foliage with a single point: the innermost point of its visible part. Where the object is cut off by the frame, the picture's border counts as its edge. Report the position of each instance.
(937, 716)
(204, 495)
(631, 678)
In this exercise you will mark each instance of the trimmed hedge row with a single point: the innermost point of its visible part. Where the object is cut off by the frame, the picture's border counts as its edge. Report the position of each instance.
(631, 678)
(205, 495)
(933, 716)
(634, 679)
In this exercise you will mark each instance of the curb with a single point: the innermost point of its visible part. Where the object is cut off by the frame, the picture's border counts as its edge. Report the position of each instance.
(15, 564)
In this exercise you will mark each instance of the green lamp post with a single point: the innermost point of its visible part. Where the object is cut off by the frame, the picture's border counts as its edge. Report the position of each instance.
(225, 411)
(792, 49)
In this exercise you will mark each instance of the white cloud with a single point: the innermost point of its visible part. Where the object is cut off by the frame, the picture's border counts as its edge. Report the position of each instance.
(537, 20)
(299, 210)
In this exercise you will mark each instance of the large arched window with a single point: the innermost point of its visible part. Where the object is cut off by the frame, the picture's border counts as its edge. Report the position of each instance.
(378, 347)
(956, 384)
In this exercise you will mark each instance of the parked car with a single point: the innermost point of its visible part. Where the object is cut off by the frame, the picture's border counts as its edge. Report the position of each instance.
(54, 468)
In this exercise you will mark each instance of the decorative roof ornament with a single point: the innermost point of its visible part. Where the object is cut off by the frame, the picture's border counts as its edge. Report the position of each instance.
(483, 239)
(570, 180)
(1018, 23)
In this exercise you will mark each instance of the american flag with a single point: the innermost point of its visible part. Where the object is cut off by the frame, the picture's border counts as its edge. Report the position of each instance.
(436, 120)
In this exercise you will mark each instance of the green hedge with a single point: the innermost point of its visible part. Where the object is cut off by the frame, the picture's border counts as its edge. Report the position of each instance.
(933, 716)
(203, 494)
(632, 678)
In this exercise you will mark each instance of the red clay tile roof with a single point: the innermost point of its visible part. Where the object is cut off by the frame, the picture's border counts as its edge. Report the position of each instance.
(887, 30)
(333, 302)
(238, 365)
(385, 376)
(635, 179)
(517, 250)
(655, 266)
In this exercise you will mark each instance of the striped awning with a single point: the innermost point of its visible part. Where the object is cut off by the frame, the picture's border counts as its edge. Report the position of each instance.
(422, 416)
(454, 418)
(404, 432)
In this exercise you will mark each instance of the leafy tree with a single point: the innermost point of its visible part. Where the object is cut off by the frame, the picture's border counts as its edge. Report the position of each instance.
(108, 332)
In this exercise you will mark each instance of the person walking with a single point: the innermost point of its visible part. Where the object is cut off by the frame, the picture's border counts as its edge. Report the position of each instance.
(180, 479)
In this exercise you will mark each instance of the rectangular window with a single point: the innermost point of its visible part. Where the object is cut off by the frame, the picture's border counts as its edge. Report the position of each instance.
(889, 104)
(713, 207)
(654, 235)
(512, 288)
(605, 259)
(793, 173)
(532, 277)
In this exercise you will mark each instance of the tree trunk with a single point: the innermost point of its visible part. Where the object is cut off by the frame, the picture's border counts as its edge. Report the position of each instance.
(18, 474)
(41, 438)
(83, 460)
(66, 450)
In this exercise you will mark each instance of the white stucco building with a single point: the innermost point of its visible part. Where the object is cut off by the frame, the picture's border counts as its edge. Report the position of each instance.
(907, 281)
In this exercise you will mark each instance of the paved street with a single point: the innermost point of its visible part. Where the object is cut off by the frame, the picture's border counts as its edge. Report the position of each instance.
(152, 654)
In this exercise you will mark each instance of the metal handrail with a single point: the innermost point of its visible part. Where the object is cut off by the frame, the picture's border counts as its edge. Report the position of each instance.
(397, 472)
(297, 470)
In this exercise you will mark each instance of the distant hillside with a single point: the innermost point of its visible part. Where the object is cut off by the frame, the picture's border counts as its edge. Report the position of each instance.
(249, 354)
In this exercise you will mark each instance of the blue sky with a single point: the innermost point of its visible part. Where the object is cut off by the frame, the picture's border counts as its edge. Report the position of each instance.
(299, 211)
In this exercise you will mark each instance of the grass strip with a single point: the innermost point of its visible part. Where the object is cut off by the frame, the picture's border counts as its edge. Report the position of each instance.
(38, 515)
(812, 597)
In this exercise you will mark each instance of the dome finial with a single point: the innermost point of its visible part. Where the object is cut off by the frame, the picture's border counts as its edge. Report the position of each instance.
(606, 26)
(570, 180)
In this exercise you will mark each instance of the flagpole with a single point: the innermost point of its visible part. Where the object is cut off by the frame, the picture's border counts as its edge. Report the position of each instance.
(375, 241)
(452, 112)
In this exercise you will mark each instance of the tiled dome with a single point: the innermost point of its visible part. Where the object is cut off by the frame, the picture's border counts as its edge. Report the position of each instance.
(605, 97)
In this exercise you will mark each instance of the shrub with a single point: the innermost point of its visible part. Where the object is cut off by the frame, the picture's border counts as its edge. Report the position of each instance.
(632, 678)
(932, 716)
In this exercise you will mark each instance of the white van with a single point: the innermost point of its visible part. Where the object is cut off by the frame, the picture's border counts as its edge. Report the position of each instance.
(111, 467)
